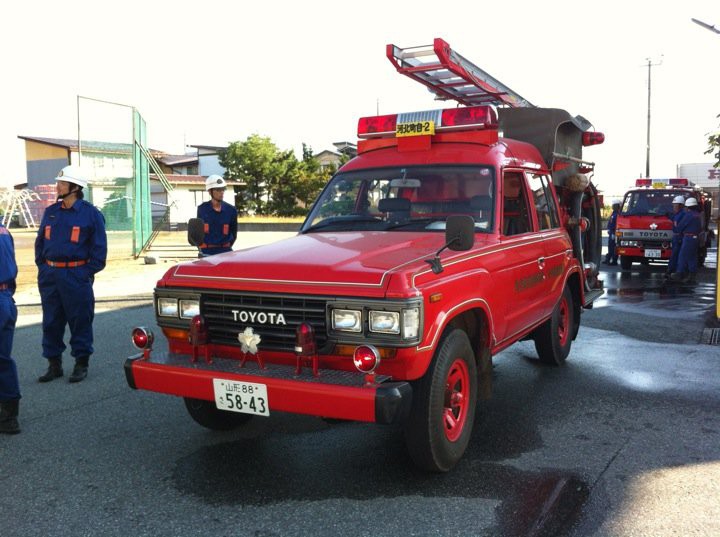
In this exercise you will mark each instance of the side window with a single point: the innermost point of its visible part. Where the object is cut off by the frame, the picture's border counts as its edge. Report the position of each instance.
(516, 218)
(544, 202)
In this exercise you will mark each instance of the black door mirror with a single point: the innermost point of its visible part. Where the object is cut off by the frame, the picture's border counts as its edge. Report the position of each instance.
(460, 232)
(196, 231)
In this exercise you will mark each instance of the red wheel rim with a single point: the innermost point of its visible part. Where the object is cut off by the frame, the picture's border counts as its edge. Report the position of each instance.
(457, 397)
(563, 322)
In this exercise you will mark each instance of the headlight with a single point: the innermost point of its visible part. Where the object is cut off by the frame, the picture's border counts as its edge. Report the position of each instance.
(167, 307)
(385, 322)
(630, 244)
(189, 308)
(411, 323)
(347, 320)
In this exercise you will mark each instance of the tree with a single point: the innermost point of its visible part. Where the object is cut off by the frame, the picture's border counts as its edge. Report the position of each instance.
(311, 179)
(714, 147)
(282, 185)
(252, 162)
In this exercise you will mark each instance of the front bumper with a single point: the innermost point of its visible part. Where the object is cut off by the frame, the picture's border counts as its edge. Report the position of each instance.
(334, 394)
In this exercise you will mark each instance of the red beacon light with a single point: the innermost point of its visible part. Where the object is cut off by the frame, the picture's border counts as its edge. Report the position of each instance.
(376, 126)
(643, 182)
(679, 182)
(306, 348)
(366, 359)
(198, 337)
(143, 340)
(471, 116)
(592, 138)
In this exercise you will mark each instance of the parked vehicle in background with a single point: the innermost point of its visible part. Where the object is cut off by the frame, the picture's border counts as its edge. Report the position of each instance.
(644, 228)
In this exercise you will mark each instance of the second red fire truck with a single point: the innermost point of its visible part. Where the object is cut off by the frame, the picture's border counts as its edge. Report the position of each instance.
(644, 229)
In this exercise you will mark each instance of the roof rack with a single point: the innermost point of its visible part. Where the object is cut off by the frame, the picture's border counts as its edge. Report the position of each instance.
(450, 76)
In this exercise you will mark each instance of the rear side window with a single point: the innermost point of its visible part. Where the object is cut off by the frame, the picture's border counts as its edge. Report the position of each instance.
(544, 202)
(516, 217)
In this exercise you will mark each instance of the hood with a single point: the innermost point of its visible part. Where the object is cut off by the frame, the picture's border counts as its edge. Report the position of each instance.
(362, 259)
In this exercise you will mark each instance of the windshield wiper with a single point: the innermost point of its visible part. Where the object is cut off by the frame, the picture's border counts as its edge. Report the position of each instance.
(341, 220)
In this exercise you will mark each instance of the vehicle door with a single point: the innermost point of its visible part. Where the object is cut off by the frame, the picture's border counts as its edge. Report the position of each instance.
(521, 257)
(557, 246)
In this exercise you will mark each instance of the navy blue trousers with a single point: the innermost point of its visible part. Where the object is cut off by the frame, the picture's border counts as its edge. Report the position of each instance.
(67, 299)
(9, 385)
(687, 262)
(675, 253)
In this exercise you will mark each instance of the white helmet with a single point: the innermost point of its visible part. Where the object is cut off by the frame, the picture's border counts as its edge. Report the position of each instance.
(72, 174)
(616, 202)
(691, 202)
(679, 199)
(214, 181)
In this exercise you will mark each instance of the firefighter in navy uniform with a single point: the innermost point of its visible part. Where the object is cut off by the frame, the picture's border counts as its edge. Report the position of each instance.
(220, 218)
(677, 216)
(612, 257)
(9, 384)
(70, 248)
(690, 227)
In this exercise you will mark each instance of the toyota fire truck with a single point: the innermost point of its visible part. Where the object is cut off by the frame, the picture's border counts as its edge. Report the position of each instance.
(644, 229)
(453, 234)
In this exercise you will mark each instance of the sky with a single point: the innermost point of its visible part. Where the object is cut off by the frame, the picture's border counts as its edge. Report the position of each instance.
(214, 72)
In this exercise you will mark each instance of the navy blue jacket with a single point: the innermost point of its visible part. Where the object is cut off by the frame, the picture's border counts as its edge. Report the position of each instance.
(8, 266)
(74, 234)
(220, 227)
(612, 223)
(691, 224)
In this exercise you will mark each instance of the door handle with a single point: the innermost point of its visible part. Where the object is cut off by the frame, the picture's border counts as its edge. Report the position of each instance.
(541, 262)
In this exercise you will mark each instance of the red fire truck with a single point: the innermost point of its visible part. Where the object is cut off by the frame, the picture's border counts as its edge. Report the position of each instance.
(452, 235)
(644, 229)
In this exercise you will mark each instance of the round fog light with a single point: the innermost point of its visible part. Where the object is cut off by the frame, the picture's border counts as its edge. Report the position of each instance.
(142, 338)
(366, 358)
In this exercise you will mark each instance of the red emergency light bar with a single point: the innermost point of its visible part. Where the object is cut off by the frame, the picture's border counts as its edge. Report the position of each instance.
(664, 182)
(471, 117)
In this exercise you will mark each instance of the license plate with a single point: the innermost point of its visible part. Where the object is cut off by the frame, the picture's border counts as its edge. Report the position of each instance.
(243, 397)
(653, 253)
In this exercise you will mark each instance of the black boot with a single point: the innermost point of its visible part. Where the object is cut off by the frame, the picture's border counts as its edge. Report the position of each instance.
(8, 417)
(80, 370)
(53, 372)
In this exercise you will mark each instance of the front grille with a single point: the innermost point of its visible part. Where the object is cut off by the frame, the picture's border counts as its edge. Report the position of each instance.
(224, 325)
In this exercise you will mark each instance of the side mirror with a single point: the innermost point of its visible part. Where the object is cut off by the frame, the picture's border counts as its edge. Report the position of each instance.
(196, 231)
(460, 232)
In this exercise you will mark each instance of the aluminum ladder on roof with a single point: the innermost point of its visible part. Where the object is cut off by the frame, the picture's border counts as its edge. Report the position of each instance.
(450, 76)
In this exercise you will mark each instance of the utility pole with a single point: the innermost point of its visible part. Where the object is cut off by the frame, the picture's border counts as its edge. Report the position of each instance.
(650, 65)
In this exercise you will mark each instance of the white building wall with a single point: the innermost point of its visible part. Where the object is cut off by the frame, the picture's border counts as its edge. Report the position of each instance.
(702, 174)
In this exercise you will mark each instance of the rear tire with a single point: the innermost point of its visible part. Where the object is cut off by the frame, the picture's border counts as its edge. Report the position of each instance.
(209, 416)
(443, 409)
(553, 338)
(625, 262)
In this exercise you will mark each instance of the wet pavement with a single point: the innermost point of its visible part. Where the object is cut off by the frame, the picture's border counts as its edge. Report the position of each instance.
(643, 304)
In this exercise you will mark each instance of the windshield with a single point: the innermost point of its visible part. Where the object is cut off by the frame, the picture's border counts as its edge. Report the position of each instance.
(650, 202)
(404, 199)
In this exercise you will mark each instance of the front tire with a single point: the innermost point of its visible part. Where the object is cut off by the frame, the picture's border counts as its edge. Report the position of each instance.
(443, 409)
(625, 262)
(209, 416)
(554, 337)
